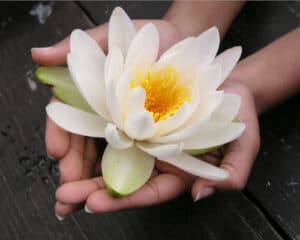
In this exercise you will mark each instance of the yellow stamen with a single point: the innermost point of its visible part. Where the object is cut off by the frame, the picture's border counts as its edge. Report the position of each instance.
(165, 93)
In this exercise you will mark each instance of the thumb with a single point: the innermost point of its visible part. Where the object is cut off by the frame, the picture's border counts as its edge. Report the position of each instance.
(56, 54)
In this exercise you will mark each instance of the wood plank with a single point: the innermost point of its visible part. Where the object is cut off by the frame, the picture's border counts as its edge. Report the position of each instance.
(100, 11)
(26, 187)
(228, 216)
(26, 175)
(275, 179)
(260, 23)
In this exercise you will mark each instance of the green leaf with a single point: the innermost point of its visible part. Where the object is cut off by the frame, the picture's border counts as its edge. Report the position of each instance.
(63, 86)
(125, 170)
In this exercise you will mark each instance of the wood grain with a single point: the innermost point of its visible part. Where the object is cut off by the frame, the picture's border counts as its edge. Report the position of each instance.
(27, 177)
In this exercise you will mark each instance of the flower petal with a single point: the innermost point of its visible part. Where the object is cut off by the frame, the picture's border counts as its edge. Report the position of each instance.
(185, 59)
(88, 77)
(197, 167)
(183, 133)
(228, 59)
(113, 67)
(136, 100)
(168, 125)
(208, 43)
(122, 90)
(115, 138)
(143, 49)
(126, 170)
(228, 109)
(76, 121)
(199, 120)
(113, 71)
(160, 150)
(210, 78)
(178, 47)
(81, 43)
(140, 125)
(86, 66)
(215, 137)
(121, 30)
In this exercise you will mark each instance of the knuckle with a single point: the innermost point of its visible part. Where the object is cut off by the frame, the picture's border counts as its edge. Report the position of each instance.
(236, 180)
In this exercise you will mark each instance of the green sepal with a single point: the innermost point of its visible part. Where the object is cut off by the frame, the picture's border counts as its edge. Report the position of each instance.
(114, 193)
(63, 86)
(125, 170)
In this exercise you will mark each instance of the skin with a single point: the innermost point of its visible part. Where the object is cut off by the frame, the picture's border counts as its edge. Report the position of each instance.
(77, 155)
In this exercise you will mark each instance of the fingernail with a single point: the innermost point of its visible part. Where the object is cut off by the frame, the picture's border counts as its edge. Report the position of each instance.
(50, 157)
(59, 218)
(40, 48)
(203, 193)
(87, 210)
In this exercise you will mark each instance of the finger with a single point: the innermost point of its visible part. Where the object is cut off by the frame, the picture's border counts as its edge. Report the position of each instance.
(57, 140)
(238, 155)
(62, 210)
(97, 169)
(168, 168)
(71, 165)
(77, 191)
(89, 158)
(211, 159)
(162, 188)
(56, 54)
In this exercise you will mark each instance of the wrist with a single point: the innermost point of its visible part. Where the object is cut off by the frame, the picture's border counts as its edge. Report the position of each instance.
(242, 74)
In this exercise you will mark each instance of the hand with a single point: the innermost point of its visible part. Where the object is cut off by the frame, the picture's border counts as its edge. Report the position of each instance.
(77, 155)
(239, 155)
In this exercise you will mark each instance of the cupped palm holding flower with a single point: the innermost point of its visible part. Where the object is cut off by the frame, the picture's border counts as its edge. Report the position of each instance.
(147, 108)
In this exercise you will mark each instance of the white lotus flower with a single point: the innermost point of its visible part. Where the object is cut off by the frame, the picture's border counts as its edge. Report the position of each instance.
(148, 108)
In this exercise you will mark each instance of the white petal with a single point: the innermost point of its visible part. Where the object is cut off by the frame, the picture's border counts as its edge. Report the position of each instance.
(113, 66)
(115, 138)
(182, 134)
(143, 49)
(121, 30)
(113, 71)
(123, 89)
(207, 105)
(228, 60)
(197, 167)
(209, 42)
(228, 109)
(126, 170)
(81, 43)
(76, 121)
(185, 60)
(210, 78)
(178, 47)
(160, 150)
(140, 125)
(184, 113)
(136, 100)
(173, 122)
(88, 77)
(200, 119)
(215, 137)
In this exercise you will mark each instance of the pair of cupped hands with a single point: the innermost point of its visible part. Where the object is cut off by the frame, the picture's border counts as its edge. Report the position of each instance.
(79, 162)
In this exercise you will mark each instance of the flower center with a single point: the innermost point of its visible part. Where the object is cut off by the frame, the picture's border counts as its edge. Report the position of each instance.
(165, 93)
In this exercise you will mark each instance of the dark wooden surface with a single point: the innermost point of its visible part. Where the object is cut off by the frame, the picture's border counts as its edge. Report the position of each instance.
(267, 210)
